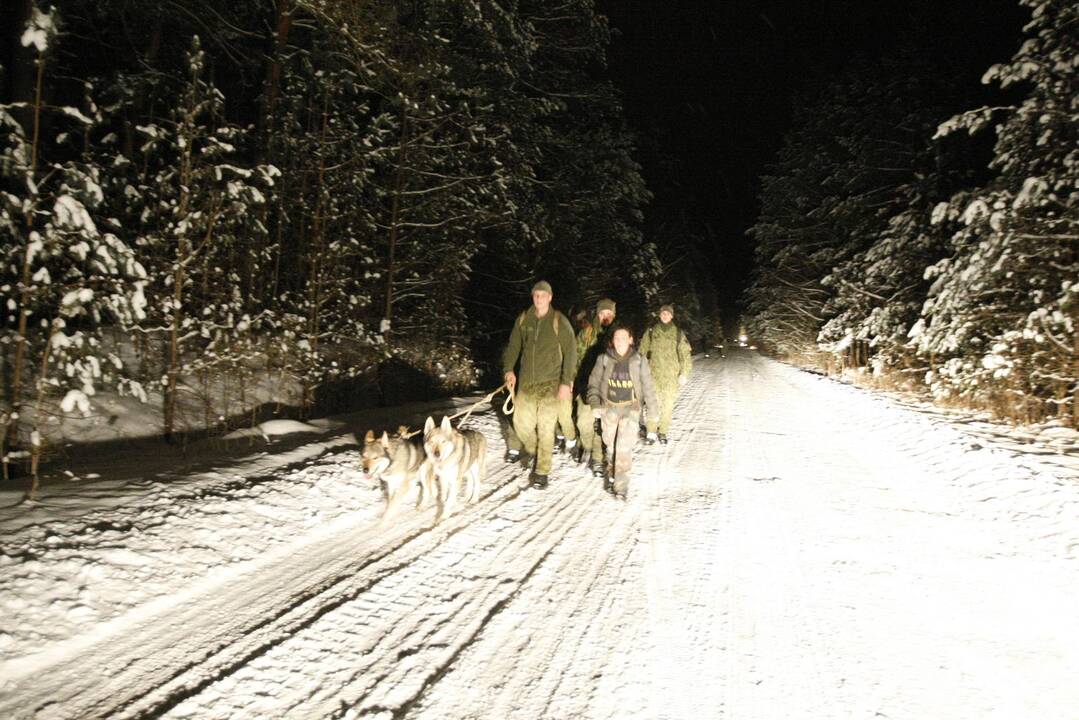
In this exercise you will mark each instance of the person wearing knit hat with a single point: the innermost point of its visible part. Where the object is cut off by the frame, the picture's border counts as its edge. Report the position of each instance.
(584, 429)
(669, 352)
(541, 345)
(591, 342)
(619, 387)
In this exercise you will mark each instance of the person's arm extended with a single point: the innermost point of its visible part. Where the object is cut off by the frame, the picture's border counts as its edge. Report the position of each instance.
(512, 351)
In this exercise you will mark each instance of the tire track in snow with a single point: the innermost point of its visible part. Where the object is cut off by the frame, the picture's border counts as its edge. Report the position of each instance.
(589, 647)
(763, 567)
(397, 655)
(188, 641)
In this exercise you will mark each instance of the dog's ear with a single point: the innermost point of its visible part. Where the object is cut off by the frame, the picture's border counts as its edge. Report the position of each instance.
(385, 439)
(446, 423)
(402, 430)
(369, 437)
(429, 425)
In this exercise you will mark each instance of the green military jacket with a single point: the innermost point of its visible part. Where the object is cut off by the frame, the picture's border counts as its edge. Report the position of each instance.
(591, 343)
(668, 351)
(545, 348)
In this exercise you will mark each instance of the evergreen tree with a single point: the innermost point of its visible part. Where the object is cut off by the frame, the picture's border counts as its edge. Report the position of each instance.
(1000, 323)
(196, 225)
(62, 275)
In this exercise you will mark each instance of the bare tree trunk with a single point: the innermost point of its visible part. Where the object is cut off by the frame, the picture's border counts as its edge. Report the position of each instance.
(1075, 369)
(395, 211)
(179, 273)
(173, 372)
(271, 85)
(37, 443)
(314, 319)
(10, 438)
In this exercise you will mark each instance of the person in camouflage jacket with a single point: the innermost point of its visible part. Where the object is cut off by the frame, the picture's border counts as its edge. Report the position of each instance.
(592, 342)
(542, 343)
(671, 357)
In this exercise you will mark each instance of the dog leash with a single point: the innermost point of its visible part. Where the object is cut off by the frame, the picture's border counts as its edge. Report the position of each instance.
(507, 407)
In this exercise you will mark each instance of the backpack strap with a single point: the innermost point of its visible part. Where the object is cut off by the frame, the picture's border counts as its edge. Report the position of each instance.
(556, 317)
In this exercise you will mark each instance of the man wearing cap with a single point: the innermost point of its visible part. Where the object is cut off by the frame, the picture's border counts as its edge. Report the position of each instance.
(670, 355)
(542, 341)
(591, 343)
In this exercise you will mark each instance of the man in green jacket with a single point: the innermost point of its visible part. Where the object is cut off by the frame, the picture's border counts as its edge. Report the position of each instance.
(591, 343)
(543, 344)
(671, 357)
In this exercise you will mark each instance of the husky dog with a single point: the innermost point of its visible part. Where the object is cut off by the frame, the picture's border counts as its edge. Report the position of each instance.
(396, 462)
(454, 456)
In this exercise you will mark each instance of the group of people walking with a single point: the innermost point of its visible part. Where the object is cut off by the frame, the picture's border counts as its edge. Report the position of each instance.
(596, 375)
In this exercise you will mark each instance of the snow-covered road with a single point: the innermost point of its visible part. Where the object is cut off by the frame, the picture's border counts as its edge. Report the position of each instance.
(801, 549)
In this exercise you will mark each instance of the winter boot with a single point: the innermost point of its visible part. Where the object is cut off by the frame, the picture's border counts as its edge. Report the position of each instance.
(560, 443)
(650, 438)
(620, 487)
(596, 467)
(527, 460)
(571, 447)
(539, 481)
(577, 454)
(662, 438)
(512, 456)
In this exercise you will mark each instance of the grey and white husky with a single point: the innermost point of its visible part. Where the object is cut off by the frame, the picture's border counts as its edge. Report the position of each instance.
(396, 462)
(455, 456)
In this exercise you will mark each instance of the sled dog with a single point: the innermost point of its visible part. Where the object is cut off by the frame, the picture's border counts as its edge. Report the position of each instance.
(455, 456)
(396, 462)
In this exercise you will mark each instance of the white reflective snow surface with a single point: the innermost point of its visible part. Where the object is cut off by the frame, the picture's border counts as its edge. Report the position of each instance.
(801, 549)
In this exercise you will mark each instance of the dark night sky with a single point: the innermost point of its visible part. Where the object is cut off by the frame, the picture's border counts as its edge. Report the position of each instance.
(709, 85)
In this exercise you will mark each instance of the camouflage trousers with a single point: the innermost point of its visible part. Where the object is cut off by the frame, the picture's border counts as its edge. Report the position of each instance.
(620, 435)
(534, 418)
(666, 393)
(565, 419)
(586, 431)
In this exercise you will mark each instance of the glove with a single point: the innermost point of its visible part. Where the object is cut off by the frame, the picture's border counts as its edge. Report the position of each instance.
(681, 380)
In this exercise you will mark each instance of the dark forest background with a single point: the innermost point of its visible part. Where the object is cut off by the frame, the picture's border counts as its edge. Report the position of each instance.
(327, 203)
(352, 197)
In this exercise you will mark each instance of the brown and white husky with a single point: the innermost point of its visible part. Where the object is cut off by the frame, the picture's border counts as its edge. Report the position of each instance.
(455, 456)
(396, 462)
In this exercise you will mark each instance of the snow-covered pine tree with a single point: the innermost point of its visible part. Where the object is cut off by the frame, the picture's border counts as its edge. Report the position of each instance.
(196, 230)
(579, 212)
(64, 278)
(328, 275)
(1002, 317)
(796, 234)
(878, 292)
(433, 184)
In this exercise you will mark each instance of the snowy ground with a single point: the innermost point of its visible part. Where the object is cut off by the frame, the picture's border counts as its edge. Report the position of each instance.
(802, 549)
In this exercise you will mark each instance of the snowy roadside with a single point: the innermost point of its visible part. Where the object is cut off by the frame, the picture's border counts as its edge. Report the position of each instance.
(1053, 443)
